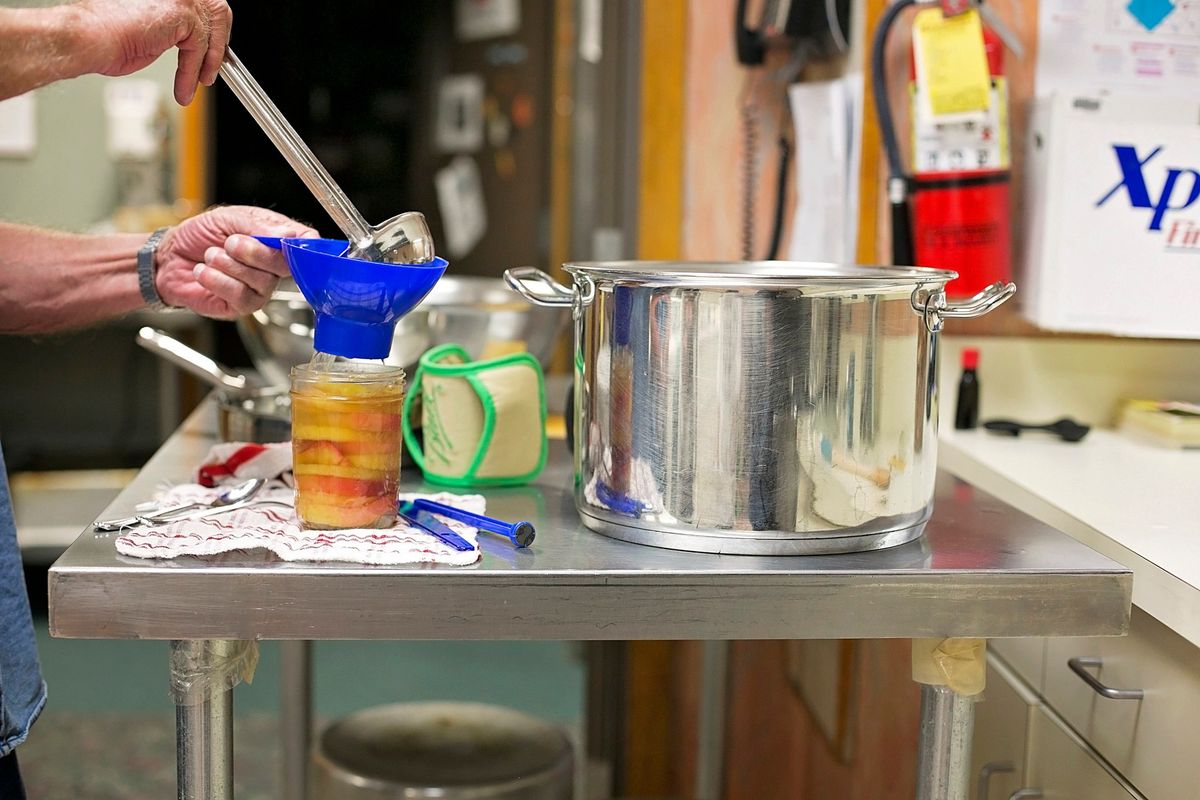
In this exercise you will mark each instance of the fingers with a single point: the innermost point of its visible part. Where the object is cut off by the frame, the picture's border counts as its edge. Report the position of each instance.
(240, 297)
(191, 58)
(221, 23)
(260, 280)
(251, 252)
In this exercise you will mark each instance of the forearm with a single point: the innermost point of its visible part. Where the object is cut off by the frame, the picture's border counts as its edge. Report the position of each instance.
(38, 46)
(52, 281)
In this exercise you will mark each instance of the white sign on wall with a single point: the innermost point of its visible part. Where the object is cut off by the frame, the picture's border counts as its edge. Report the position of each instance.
(486, 19)
(18, 126)
(459, 126)
(460, 200)
(1112, 214)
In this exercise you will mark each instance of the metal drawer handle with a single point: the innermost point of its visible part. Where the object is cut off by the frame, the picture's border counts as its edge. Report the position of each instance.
(1080, 667)
(1025, 794)
(985, 776)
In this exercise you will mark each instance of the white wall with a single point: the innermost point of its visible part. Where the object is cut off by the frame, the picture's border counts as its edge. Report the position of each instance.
(1042, 379)
(70, 182)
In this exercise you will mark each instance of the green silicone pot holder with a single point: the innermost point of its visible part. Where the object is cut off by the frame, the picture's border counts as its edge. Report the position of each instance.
(449, 384)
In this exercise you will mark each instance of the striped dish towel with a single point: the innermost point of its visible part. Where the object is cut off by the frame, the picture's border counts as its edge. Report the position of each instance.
(276, 528)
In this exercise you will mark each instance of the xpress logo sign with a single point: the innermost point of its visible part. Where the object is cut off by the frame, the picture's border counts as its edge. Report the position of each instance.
(1158, 191)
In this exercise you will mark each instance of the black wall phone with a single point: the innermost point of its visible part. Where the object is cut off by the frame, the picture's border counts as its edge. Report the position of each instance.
(822, 25)
(809, 29)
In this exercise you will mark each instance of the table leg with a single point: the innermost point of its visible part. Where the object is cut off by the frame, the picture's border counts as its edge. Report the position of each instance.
(203, 722)
(944, 748)
(295, 716)
(710, 739)
(951, 674)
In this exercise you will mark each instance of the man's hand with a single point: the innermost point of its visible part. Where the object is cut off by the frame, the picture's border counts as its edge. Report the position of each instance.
(212, 265)
(118, 37)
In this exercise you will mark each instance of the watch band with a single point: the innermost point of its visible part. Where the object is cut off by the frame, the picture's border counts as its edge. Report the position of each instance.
(147, 269)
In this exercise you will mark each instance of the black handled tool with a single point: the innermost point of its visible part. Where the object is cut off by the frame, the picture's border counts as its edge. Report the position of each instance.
(1066, 428)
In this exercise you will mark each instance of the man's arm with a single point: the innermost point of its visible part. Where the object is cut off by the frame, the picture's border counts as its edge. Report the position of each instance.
(210, 264)
(39, 46)
(51, 280)
(112, 37)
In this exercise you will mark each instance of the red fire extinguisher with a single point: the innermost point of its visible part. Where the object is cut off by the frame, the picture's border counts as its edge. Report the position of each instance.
(959, 185)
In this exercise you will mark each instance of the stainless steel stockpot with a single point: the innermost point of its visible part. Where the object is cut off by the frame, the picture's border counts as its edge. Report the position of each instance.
(765, 408)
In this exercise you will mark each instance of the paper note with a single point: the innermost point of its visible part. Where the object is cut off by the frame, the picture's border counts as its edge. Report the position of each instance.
(1118, 45)
(951, 64)
(486, 19)
(827, 116)
(18, 126)
(459, 126)
(460, 200)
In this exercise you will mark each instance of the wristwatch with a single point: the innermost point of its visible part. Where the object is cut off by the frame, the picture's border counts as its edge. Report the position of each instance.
(147, 269)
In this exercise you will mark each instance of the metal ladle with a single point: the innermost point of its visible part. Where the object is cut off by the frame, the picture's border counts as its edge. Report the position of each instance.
(403, 239)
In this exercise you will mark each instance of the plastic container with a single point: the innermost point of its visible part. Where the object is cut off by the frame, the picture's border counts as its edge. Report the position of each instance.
(346, 443)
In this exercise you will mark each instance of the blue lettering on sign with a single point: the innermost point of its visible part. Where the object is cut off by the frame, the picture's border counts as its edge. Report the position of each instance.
(1133, 180)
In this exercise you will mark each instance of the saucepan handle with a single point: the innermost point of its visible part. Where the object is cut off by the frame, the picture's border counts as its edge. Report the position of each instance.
(540, 289)
(935, 308)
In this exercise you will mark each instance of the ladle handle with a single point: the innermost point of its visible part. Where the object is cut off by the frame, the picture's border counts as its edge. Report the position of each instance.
(188, 359)
(293, 148)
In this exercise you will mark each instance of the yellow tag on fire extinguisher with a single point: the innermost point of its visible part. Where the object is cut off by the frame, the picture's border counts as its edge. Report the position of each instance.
(951, 64)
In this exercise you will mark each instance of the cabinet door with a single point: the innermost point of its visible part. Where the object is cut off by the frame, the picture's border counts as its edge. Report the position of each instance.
(998, 746)
(1151, 740)
(1065, 769)
(1025, 656)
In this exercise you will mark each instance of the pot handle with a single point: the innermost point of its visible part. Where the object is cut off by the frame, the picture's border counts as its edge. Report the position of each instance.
(934, 307)
(190, 360)
(539, 288)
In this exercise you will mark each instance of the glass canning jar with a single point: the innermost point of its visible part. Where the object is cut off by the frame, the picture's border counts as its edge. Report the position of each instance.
(346, 440)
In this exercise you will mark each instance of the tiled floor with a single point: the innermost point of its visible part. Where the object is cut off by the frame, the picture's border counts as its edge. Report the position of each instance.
(108, 731)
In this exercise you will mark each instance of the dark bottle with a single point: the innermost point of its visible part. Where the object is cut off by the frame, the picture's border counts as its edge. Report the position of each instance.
(966, 413)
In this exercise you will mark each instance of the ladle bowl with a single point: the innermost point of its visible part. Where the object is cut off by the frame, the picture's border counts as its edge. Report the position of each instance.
(357, 302)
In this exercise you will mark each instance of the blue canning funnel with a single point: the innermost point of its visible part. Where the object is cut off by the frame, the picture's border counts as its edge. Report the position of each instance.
(357, 302)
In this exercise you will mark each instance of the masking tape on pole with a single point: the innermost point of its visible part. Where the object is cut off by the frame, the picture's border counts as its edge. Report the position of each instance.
(960, 664)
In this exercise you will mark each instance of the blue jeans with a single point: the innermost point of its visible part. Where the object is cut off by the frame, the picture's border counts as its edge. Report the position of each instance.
(11, 787)
(22, 691)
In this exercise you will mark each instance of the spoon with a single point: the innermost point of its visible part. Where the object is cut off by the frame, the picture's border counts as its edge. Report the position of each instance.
(1066, 428)
(403, 239)
(225, 509)
(235, 494)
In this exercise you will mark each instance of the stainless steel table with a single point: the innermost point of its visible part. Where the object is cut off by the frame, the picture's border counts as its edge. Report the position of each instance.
(983, 569)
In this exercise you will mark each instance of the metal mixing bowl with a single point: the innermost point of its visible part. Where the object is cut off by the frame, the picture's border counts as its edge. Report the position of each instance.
(481, 314)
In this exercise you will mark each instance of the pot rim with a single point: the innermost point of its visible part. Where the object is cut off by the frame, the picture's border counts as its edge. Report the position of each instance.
(761, 274)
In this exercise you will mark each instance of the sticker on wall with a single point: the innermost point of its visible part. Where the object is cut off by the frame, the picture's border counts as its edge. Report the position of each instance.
(459, 127)
(460, 200)
(522, 110)
(506, 164)
(506, 54)
(499, 127)
(486, 19)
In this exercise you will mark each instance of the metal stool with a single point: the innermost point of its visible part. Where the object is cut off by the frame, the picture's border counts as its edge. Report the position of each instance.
(451, 751)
